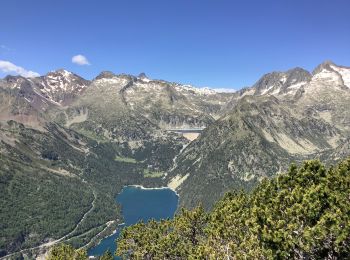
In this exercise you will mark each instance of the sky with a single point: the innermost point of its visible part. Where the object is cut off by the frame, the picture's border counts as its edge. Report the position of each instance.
(218, 44)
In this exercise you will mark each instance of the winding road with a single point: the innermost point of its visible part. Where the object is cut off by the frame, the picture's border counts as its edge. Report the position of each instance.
(54, 242)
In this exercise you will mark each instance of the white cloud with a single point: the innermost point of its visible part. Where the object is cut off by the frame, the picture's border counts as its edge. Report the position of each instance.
(9, 67)
(80, 60)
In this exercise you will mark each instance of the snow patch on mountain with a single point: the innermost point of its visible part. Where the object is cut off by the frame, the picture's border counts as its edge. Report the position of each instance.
(199, 91)
(345, 74)
(325, 78)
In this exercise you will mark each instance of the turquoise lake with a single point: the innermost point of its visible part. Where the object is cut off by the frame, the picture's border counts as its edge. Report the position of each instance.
(139, 204)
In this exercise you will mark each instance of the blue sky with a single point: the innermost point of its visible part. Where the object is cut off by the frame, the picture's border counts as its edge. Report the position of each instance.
(221, 43)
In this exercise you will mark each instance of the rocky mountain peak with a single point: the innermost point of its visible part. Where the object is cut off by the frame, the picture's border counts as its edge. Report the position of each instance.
(105, 75)
(326, 65)
(276, 83)
(331, 74)
(13, 81)
(142, 75)
(22, 86)
(59, 72)
(60, 86)
(11, 78)
(299, 74)
(127, 76)
(63, 78)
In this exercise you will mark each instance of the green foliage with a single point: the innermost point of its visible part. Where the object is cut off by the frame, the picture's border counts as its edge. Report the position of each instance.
(125, 159)
(50, 155)
(303, 214)
(160, 240)
(92, 135)
(152, 174)
(107, 256)
(35, 205)
(67, 252)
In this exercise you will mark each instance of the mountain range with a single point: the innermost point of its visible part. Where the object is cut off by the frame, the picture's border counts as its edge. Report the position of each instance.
(68, 145)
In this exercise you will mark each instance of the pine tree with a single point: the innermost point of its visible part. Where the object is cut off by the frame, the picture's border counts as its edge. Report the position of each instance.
(67, 252)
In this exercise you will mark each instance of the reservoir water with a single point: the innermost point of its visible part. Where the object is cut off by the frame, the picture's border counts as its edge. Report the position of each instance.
(139, 204)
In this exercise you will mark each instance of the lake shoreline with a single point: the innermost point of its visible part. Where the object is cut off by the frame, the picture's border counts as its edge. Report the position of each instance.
(154, 188)
(149, 202)
(142, 188)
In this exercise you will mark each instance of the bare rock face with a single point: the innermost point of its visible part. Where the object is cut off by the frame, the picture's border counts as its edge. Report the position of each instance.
(61, 86)
(279, 83)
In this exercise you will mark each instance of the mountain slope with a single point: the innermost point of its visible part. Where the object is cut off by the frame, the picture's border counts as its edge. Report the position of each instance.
(68, 146)
(264, 131)
(171, 105)
(90, 138)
